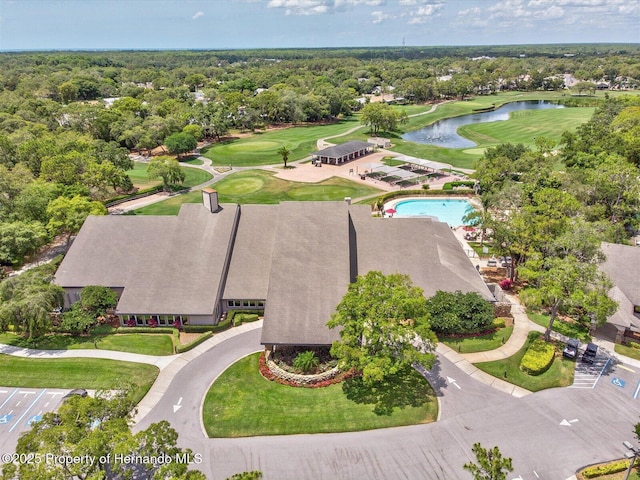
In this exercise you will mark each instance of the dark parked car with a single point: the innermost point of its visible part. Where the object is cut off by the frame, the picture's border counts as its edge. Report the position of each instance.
(589, 355)
(571, 349)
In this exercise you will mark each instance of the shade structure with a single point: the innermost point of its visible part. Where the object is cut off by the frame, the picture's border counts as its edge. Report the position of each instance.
(390, 210)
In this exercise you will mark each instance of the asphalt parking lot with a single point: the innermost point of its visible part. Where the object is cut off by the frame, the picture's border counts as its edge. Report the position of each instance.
(19, 407)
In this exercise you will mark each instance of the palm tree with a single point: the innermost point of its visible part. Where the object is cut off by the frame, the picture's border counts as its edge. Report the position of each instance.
(284, 152)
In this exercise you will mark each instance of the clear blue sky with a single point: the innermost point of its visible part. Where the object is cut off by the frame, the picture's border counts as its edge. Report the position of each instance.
(225, 24)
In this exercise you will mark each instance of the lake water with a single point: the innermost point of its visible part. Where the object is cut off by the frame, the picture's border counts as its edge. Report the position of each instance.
(444, 133)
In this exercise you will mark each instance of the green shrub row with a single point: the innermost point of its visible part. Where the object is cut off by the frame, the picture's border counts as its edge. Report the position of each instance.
(146, 330)
(417, 193)
(449, 186)
(238, 317)
(538, 358)
(609, 468)
(241, 318)
(633, 345)
(194, 343)
(126, 196)
(225, 324)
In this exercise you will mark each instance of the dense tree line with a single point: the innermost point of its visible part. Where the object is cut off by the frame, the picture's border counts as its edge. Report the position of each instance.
(551, 220)
(59, 138)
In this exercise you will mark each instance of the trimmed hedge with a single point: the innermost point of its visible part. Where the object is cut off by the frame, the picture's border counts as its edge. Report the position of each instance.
(194, 343)
(146, 330)
(538, 358)
(449, 186)
(225, 324)
(238, 317)
(418, 193)
(499, 323)
(606, 469)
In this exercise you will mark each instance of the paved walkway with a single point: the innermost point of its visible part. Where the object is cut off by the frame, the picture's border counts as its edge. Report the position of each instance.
(161, 362)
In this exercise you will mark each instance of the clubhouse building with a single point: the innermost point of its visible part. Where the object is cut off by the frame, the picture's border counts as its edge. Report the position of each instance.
(293, 261)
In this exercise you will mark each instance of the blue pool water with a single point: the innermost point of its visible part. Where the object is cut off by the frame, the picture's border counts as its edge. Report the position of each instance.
(445, 210)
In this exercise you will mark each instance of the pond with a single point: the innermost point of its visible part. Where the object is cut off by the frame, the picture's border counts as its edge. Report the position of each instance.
(444, 133)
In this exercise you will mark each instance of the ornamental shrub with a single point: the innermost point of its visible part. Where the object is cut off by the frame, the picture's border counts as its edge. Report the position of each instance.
(506, 284)
(306, 361)
(606, 469)
(452, 313)
(538, 358)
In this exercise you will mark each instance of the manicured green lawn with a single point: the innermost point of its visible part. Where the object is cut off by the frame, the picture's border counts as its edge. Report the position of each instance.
(242, 403)
(560, 374)
(488, 134)
(627, 351)
(573, 330)
(525, 125)
(89, 373)
(138, 175)
(258, 186)
(148, 344)
(262, 148)
(482, 343)
(193, 176)
(192, 161)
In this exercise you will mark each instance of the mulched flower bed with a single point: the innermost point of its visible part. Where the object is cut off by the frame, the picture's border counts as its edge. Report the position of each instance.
(266, 373)
(284, 357)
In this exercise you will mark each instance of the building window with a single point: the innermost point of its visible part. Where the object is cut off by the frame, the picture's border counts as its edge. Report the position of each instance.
(261, 303)
(229, 303)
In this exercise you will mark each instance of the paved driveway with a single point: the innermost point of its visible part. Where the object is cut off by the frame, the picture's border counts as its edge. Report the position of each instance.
(549, 434)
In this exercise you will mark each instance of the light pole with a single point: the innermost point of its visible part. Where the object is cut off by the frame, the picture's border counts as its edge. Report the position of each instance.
(631, 453)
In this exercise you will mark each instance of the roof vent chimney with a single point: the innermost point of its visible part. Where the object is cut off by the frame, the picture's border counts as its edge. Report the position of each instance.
(210, 199)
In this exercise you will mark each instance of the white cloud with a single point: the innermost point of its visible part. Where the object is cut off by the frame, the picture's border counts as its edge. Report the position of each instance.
(424, 12)
(198, 15)
(379, 17)
(316, 7)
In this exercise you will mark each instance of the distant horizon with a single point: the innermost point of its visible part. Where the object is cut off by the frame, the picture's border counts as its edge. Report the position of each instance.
(361, 47)
(113, 25)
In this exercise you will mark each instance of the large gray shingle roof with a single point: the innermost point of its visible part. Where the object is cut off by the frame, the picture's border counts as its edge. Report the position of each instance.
(250, 266)
(310, 273)
(166, 264)
(622, 265)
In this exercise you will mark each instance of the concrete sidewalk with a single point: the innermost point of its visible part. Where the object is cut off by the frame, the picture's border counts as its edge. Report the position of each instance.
(161, 362)
(521, 327)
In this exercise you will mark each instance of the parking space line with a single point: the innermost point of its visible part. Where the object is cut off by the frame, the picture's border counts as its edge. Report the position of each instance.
(601, 372)
(626, 368)
(9, 398)
(635, 394)
(26, 411)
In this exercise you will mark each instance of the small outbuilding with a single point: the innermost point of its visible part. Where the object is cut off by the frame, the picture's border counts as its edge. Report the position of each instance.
(342, 153)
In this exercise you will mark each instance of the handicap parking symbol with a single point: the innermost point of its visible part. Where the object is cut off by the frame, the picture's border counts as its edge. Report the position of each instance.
(6, 418)
(35, 418)
(618, 383)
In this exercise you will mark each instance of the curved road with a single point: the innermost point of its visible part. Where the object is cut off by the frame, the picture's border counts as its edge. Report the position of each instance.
(548, 434)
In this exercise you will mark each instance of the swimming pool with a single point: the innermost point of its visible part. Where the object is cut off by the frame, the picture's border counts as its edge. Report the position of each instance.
(446, 210)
